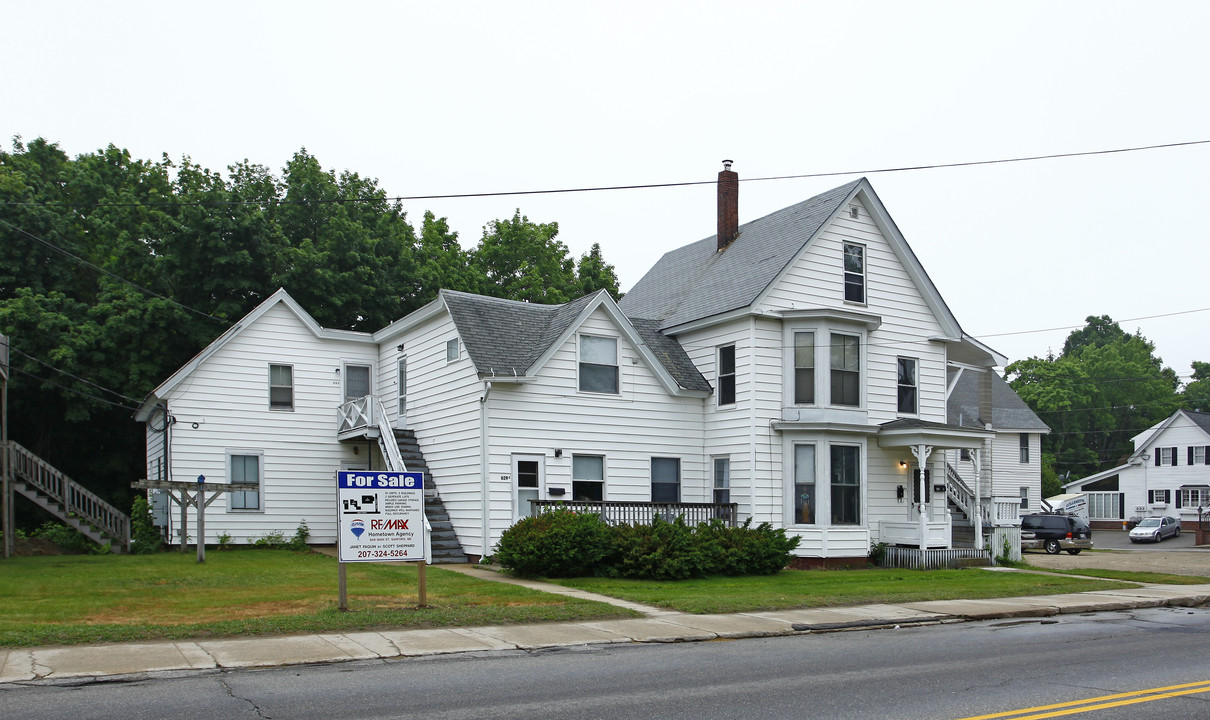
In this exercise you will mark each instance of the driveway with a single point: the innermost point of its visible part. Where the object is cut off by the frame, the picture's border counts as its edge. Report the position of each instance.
(1114, 551)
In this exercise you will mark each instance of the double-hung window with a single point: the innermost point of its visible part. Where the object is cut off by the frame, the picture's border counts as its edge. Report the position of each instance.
(854, 273)
(908, 397)
(722, 479)
(281, 387)
(598, 364)
(804, 368)
(804, 485)
(1197, 455)
(244, 475)
(726, 375)
(845, 368)
(588, 477)
(1165, 456)
(1194, 497)
(846, 485)
(1024, 442)
(665, 479)
(452, 351)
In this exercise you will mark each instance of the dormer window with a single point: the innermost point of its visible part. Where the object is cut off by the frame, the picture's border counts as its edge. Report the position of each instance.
(854, 273)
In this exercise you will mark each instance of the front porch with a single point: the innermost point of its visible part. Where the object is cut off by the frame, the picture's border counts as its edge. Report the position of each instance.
(620, 512)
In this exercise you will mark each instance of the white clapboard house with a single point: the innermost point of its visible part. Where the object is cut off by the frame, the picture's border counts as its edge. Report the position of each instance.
(799, 369)
(1167, 474)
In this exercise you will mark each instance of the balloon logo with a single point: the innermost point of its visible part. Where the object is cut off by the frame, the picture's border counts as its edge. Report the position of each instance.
(357, 527)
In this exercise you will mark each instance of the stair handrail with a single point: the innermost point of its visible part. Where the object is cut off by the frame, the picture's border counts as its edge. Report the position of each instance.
(386, 438)
(74, 497)
(958, 491)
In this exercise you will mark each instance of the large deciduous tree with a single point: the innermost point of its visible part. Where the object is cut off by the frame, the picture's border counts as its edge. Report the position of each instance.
(1106, 387)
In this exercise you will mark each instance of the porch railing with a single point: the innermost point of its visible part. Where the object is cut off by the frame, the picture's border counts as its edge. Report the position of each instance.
(959, 491)
(619, 512)
(356, 414)
(917, 559)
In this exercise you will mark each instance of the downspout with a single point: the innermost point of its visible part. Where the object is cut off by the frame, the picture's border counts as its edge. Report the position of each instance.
(751, 414)
(484, 490)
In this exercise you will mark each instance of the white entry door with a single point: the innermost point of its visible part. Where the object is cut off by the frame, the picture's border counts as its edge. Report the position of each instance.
(529, 479)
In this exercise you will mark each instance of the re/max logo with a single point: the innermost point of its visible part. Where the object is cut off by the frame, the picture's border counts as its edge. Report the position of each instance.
(389, 524)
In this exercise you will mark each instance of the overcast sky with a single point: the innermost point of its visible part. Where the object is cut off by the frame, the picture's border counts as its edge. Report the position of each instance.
(458, 97)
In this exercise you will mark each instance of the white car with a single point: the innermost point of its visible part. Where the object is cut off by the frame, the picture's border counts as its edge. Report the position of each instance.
(1155, 529)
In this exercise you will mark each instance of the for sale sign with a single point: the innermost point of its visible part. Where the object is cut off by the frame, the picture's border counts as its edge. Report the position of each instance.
(381, 516)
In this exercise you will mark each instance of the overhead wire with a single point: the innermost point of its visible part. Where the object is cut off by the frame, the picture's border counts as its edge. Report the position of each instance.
(611, 188)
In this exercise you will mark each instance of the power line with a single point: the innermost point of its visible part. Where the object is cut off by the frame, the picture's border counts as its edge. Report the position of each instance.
(610, 188)
(76, 377)
(119, 278)
(74, 390)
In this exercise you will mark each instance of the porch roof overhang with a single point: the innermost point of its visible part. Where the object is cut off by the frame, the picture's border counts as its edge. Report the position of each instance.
(907, 432)
(824, 425)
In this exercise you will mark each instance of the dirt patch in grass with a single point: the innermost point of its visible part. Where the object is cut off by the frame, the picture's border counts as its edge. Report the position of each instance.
(35, 547)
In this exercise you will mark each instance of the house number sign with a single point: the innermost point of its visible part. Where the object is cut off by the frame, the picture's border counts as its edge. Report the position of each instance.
(381, 516)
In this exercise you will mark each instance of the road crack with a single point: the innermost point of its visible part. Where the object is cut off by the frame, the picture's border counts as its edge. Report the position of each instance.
(231, 694)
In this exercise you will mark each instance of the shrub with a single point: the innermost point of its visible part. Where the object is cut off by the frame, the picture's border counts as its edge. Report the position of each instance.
(275, 540)
(145, 537)
(67, 538)
(299, 541)
(660, 551)
(747, 550)
(560, 543)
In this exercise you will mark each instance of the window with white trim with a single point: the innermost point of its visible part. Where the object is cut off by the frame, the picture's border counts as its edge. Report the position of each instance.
(244, 473)
(281, 387)
(1197, 455)
(726, 375)
(1023, 439)
(665, 479)
(804, 368)
(357, 381)
(908, 397)
(1165, 456)
(403, 386)
(1024, 497)
(1193, 497)
(452, 350)
(1159, 496)
(722, 479)
(803, 502)
(598, 364)
(846, 484)
(845, 368)
(588, 477)
(854, 273)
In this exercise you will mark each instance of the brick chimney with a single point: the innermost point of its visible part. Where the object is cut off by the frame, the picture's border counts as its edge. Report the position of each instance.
(728, 206)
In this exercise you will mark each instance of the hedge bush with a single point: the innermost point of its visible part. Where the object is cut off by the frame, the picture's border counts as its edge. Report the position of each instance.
(560, 543)
(563, 543)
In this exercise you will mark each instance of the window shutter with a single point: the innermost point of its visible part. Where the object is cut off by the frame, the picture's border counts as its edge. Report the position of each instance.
(1190, 448)
(1178, 498)
(1150, 496)
(1157, 457)
(1206, 454)
(1174, 457)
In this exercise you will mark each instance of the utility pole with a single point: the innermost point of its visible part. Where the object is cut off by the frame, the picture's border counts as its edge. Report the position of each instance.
(7, 516)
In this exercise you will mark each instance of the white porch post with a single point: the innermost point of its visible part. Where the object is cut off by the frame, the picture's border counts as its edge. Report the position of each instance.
(922, 453)
(978, 502)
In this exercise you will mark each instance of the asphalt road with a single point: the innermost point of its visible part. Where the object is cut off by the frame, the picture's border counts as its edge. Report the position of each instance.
(940, 672)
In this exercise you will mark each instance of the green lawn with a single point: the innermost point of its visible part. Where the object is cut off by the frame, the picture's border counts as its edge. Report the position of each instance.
(820, 588)
(72, 599)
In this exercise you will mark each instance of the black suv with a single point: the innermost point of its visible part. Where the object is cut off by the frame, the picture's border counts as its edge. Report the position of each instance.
(1055, 533)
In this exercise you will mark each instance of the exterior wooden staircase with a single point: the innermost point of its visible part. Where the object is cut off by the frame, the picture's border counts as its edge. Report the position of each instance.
(443, 540)
(67, 500)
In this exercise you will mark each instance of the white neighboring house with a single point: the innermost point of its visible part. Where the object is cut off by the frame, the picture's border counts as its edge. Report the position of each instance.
(1168, 474)
(798, 369)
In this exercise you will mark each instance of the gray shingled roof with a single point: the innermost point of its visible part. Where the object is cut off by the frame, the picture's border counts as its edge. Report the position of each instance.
(696, 281)
(1202, 419)
(1009, 411)
(506, 337)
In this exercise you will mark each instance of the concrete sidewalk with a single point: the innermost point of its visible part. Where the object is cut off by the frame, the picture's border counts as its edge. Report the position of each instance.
(134, 660)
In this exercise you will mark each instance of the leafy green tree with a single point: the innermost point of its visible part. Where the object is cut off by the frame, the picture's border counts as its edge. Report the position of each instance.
(522, 260)
(1105, 388)
(1197, 391)
(350, 261)
(441, 263)
(596, 274)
